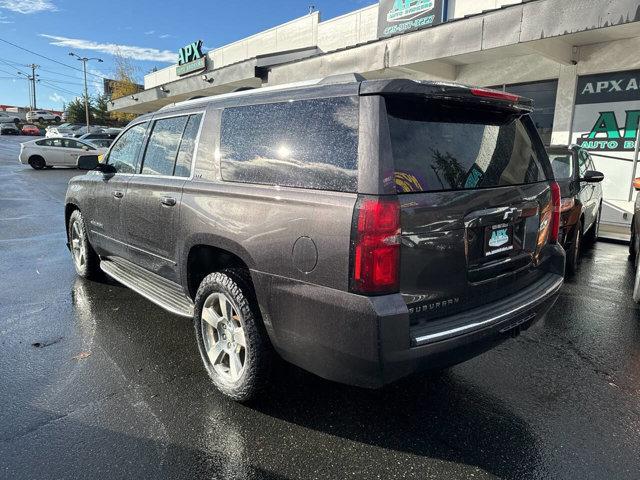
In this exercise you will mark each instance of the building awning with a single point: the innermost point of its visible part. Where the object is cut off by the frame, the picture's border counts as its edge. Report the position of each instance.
(246, 74)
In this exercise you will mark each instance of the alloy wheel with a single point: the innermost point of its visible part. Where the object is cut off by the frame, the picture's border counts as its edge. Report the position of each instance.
(223, 335)
(77, 246)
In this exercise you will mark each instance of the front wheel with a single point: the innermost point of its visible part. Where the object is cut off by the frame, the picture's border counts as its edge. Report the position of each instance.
(232, 341)
(593, 233)
(573, 254)
(85, 259)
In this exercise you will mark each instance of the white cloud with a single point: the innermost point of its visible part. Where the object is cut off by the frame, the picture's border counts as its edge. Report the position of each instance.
(57, 98)
(165, 35)
(28, 6)
(149, 32)
(129, 51)
(4, 19)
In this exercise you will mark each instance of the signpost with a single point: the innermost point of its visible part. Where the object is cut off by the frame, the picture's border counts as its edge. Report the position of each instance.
(401, 16)
(191, 59)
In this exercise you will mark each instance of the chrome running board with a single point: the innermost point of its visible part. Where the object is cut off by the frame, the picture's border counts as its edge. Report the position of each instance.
(162, 292)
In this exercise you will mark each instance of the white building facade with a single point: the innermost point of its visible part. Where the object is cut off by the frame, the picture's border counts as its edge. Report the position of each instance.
(578, 59)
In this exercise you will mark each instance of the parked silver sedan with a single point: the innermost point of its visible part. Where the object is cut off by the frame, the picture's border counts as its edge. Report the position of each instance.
(54, 152)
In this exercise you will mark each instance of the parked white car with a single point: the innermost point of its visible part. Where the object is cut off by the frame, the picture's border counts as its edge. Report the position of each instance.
(56, 152)
(9, 118)
(42, 116)
(63, 130)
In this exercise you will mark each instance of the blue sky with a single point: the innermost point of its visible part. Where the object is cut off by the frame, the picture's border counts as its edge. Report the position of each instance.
(149, 32)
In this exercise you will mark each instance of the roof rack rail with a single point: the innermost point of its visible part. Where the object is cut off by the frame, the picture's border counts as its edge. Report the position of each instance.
(342, 78)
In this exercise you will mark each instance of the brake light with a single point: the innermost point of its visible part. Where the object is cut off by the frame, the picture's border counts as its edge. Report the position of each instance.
(495, 94)
(555, 212)
(376, 246)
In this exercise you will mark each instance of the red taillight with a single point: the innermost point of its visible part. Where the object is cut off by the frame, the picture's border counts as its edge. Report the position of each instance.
(376, 246)
(495, 94)
(555, 212)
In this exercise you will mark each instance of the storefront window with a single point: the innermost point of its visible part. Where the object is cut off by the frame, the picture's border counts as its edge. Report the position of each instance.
(543, 95)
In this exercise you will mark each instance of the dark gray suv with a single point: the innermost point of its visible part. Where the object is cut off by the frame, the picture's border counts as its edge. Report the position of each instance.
(362, 230)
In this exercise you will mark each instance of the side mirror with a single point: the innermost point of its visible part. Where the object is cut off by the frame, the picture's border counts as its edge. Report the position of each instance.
(636, 183)
(88, 162)
(592, 176)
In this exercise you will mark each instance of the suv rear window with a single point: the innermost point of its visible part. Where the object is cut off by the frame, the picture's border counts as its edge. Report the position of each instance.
(307, 144)
(448, 146)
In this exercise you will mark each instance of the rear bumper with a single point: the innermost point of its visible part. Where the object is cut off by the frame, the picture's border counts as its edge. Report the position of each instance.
(368, 341)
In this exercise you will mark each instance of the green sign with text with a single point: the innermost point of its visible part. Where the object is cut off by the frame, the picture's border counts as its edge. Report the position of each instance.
(191, 59)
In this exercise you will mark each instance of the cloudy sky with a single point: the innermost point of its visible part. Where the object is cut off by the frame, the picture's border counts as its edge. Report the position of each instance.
(149, 32)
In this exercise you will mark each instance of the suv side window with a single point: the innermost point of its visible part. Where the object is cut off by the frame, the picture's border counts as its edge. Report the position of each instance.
(187, 146)
(162, 149)
(123, 156)
(307, 144)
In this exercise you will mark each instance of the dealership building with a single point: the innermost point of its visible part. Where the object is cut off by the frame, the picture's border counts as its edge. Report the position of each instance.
(578, 59)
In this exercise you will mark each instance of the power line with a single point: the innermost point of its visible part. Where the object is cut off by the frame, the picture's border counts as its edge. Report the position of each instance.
(47, 58)
(52, 80)
(13, 64)
(60, 89)
(59, 73)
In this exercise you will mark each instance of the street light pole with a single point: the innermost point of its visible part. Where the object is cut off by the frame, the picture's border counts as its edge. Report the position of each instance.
(84, 61)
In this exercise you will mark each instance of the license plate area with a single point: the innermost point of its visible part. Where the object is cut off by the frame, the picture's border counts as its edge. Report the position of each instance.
(498, 239)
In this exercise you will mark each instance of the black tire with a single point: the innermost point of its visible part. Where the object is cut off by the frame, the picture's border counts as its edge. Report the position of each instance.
(236, 286)
(636, 283)
(90, 267)
(40, 119)
(573, 254)
(37, 162)
(16, 121)
(632, 241)
(57, 119)
(592, 235)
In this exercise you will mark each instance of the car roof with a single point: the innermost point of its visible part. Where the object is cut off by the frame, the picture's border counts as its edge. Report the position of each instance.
(349, 84)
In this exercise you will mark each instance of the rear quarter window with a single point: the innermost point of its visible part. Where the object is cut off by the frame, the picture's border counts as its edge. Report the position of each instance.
(306, 144)
(446, 146)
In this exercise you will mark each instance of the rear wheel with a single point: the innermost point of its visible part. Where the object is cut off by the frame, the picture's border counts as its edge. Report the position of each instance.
(636, 285)
(592, 235)
(231, 338)
(85, 259)
(573, 254)
(37, 162)
(57, 119)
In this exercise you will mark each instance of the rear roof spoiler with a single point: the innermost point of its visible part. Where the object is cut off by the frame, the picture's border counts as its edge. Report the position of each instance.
(447, 90)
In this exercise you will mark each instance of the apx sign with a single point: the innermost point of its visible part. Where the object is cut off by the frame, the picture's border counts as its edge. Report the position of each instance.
(191, 59)
(606, 115)
(401, 16)
(608, 134)
(608, 87)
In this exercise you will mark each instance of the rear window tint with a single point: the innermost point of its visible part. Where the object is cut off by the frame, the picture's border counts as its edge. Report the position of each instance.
(444, 146)
(307, 144)
(562, 164)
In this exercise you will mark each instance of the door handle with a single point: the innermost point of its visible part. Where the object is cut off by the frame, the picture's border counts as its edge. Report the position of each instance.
(118, 194)
(168, 201)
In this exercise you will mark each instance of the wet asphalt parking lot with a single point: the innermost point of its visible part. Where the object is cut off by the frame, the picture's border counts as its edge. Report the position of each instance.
(97, 382)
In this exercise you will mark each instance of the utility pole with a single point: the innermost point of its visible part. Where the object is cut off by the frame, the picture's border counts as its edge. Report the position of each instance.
(31, 83)
(33, 67)
(84, 61)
